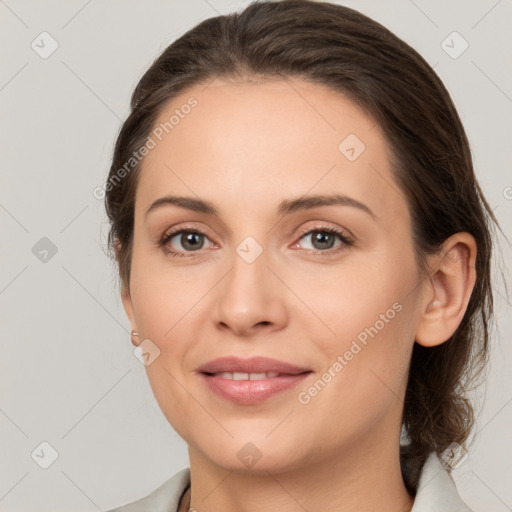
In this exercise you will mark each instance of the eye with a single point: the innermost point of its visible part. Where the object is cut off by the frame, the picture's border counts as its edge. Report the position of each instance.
(179, 242)
(323, 239)
(182, 241)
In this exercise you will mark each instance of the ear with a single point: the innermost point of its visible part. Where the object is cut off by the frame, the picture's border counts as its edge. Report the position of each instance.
(128, 307)
(447, 290)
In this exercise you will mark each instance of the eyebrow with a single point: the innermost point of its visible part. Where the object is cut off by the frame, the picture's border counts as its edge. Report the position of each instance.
(285, 207)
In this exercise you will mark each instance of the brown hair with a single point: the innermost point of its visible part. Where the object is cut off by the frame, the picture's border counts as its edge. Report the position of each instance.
(342, 49)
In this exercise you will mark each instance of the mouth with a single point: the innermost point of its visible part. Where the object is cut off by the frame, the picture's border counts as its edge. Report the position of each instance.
(250, 381)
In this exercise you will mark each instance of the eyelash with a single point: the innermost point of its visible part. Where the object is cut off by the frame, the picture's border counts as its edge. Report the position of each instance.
(345, 239)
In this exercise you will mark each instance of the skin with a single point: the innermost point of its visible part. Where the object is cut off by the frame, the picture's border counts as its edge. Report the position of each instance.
(246, 147)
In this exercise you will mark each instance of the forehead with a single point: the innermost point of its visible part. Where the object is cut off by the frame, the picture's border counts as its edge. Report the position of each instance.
(262, 141)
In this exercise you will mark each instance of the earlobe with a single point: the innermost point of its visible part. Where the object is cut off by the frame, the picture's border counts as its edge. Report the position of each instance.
(433, 305)
(447, 290)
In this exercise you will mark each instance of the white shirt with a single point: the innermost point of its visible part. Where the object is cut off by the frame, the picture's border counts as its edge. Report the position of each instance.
(436, 492)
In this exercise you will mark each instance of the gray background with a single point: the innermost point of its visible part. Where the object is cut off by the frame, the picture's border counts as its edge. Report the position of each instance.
(68, 374)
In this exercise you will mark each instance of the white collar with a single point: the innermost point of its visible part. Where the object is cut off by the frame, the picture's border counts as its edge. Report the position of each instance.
(436, 489)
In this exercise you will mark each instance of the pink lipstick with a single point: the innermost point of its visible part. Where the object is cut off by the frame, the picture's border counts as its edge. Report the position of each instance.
(250, 381)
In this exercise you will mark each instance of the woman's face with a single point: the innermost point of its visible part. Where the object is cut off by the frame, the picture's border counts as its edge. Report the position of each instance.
(342, 306)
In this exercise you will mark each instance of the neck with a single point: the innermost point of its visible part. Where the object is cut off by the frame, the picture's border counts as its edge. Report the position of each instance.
(346, 482)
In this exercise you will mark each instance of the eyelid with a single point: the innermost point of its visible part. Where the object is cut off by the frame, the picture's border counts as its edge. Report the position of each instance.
(343, 233)
(189, 228)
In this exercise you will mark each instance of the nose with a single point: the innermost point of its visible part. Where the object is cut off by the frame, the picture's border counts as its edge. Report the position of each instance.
(250, 299)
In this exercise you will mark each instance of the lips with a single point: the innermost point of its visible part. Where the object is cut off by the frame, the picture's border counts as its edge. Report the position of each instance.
(250, 381)
(253, 365)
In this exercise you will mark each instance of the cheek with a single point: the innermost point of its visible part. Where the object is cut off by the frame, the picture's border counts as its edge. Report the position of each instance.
(364, 297)
(164, 316)
(364, 375)
(163, 297)
(369, 310)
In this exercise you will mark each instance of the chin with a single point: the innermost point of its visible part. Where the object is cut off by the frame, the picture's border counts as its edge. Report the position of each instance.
(242, 455)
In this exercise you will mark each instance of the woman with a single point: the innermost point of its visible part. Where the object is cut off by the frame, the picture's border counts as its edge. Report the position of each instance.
(304, 254)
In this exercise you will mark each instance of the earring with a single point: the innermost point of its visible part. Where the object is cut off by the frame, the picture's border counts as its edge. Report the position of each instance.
(434, 304)
(134, 334)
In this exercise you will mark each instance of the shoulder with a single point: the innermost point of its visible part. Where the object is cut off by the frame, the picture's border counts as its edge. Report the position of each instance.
(437, 490)
(164, 498)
